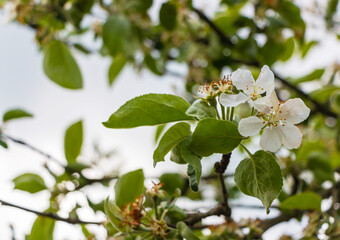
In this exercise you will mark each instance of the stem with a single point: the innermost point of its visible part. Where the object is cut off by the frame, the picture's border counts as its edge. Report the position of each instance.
(232, 114)
(252, 111)
(223, 111)
(213, 103)
(246, 149)
(228, 112)
(155, 207)
(220, 168)
(50, 215)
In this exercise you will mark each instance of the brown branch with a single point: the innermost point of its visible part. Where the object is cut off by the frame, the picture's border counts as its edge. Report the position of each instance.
(51, 215)
(197, 217)
(270, 222)
(220, 168)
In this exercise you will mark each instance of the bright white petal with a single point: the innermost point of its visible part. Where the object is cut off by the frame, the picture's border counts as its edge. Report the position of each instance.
(232, 100)
(273, 101)
(293, 111)
(291, 136)
(262, 105)
(271, 139)
(265, 81)
(243, 80)
(250, 126)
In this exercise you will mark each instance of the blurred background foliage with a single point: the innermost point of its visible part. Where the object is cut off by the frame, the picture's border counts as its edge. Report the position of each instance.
(240, 33)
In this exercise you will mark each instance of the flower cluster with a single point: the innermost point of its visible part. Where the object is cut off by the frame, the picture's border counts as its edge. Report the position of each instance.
(277, 118)
(215, 88)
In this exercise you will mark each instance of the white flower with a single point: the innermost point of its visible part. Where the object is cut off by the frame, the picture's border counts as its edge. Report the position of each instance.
(278, 123)
(253, 91)
(214, 88)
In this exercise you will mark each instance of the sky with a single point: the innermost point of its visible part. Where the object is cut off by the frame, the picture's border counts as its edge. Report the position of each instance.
(24, 85)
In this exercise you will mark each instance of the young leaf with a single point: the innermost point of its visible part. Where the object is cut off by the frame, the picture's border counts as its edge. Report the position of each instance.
(15, 113)
(192, 178)
(185, 232)
(194, 162)
(29, 182)
(116, 31)
(260, 176)
(303, 201)
(159, 130)
(116, 67)
(176, 155)
(168, 15)
(215, 136)
(176, 134)
(171, 182)
(60, 66)
(42, 228)
(112, 210)
(73, 141)
(128, 187)
(3, 144)
(201, 109)
(149, 110)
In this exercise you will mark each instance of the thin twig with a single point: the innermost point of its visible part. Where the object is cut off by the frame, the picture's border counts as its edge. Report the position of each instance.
(50, 215)
(220, 168)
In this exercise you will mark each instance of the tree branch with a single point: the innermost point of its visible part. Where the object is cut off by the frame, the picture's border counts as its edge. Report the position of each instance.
(197, 217)
(220, 168)
(51, 215)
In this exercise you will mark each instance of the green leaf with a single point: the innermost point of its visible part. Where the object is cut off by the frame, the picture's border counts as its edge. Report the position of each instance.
(331, 10)
(171, 182)
(159, 131)
(306, 47)
(156, 66)
(176, 214)
(116, 67)
(201, 109)
(289, 49)
(215, 136)
(42, 228)
(315, 75)
(3, 144)
(176, 155)
(303, 201)
(112, 210)
(194, 162)
(15, 114)
(168, 16)
(29, 182)
(176, 134)
(323, 94)
(149, 110)
(116, 32)
(60, 66)
(320, 164)
(73, 141)
(128, 187)
(260, 176)
(185, 232)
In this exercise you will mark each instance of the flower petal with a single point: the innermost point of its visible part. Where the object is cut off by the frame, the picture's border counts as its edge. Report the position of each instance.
(232, 100)
(291, 136)
(243, 80)
(265, 81)
(293, 111)
(271, 139)
(250, 126)
(261, 104)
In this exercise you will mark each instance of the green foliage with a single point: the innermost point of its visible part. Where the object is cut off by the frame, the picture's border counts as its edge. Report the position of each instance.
(159, 131)
(60, 66)
(171, 182)
(15, 114)
(73, 141)
(201, 109)
(116, 32)
(42, 228)
(302, 201)
(116, 67)
(29, 182)
(194, 165)
(314, 75)
(320, 164)
(260, 176)
(185, 232)
(215, 136)
(3, 144)
(168, 15)
(128, 187)
(149, 110)
(176, 134)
